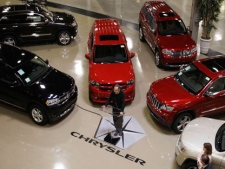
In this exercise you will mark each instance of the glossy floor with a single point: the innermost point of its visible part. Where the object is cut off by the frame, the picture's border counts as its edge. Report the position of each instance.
(71, 143)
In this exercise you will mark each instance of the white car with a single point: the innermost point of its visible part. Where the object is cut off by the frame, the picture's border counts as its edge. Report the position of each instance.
(196, 133)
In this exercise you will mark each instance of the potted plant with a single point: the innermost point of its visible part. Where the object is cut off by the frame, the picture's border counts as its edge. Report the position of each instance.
(209, 11)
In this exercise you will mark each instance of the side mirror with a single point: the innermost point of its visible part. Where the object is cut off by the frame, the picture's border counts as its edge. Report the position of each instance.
(46, 61)
(208, 94)
(132, 54)
(46, 21)
(183, 66)
(15, 84)
(88, 56)
(153, 31)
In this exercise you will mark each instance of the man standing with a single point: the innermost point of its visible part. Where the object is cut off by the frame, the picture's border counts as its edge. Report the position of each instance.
(205, 162)
(117, 100)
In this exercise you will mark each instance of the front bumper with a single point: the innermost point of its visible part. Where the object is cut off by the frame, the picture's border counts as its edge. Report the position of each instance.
(179, 155)
(176, 62)
(57, 113)
(161, 117)
(100, 96)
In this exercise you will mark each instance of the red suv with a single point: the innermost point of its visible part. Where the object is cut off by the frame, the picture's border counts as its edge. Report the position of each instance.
(109, 61)
(196, 90)
(166, 34)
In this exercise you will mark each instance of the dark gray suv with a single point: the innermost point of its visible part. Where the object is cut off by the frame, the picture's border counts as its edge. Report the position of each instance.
(31, 22)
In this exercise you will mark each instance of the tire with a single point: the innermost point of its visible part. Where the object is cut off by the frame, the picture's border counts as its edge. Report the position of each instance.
(181, 121)
(11, 40)
(64, 38)
(190, 165)
(141, 35)
(158, 60)
(38, 115)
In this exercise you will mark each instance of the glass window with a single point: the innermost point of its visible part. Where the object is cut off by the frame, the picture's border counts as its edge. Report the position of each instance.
(217, 86)
(173, 27)
(192, 79)
(110, 54)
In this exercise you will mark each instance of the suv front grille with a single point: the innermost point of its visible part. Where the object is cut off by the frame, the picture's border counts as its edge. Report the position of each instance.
(181, 53)
(109, 87)
(154, 101)
(67, 95)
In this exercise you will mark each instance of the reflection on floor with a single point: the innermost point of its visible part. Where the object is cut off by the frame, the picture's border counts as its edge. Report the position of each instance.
(132, 132)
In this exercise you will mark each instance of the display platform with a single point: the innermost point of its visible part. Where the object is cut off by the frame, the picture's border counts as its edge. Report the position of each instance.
(132, 132)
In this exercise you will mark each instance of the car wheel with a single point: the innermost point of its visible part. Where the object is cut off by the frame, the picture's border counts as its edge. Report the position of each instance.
(11, 40)
(141, 35)
(181, 121)
(190, 165)
(64, 38)
(158, 61)
(38, 115)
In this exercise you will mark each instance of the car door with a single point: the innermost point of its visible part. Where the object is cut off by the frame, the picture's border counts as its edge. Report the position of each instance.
(11, 90)
(214, 98)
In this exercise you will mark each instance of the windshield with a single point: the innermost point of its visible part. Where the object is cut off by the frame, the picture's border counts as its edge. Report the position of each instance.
(31, 70)
(220, 139)
(47, 13)
(174, 27)
(192, 79)
(110, 54)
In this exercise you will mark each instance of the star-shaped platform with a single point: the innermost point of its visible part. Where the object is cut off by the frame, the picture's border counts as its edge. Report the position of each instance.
(132, 132)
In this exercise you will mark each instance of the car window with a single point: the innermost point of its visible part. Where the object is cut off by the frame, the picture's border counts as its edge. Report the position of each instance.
(150, 21)
(12, 19)
(220, 139)
(192, 79)
(110, 54)
(173, 27)
(35, 18)
(6, 75)
(217, 86)
(5, 9)
(20, 7)
(32, 70)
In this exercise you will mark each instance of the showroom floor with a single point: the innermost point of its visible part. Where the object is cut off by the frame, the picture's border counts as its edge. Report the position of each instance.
(74, 142)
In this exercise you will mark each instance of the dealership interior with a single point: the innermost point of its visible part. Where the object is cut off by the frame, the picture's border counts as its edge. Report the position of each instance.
(72, 142)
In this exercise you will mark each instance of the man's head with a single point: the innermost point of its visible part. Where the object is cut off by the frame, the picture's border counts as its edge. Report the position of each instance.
(204, 159)
(116, 89)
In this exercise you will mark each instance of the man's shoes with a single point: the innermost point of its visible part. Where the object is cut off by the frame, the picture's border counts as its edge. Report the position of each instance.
(116, 133)
(120, 133)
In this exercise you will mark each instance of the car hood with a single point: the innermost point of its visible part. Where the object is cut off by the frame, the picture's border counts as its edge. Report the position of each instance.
(169, 91)
(53, 84)
(112, 73)
(200, 130)
(61, 17)
(181, 42)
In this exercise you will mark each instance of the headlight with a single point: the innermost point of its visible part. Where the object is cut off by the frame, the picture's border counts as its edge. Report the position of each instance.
(93, 83)
(52, 102)
(130, 82)
(167, 52)
(180, 145)
(73, 24)
(194, 50)
(166, 107)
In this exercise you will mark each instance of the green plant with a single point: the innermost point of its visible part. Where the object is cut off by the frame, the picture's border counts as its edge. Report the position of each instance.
(209, 11)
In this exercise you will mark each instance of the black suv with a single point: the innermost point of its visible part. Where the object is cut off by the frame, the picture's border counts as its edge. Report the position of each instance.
(31, 22)
(29, 83)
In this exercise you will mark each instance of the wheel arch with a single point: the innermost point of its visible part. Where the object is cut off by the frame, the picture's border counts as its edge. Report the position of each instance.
(190, 111)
